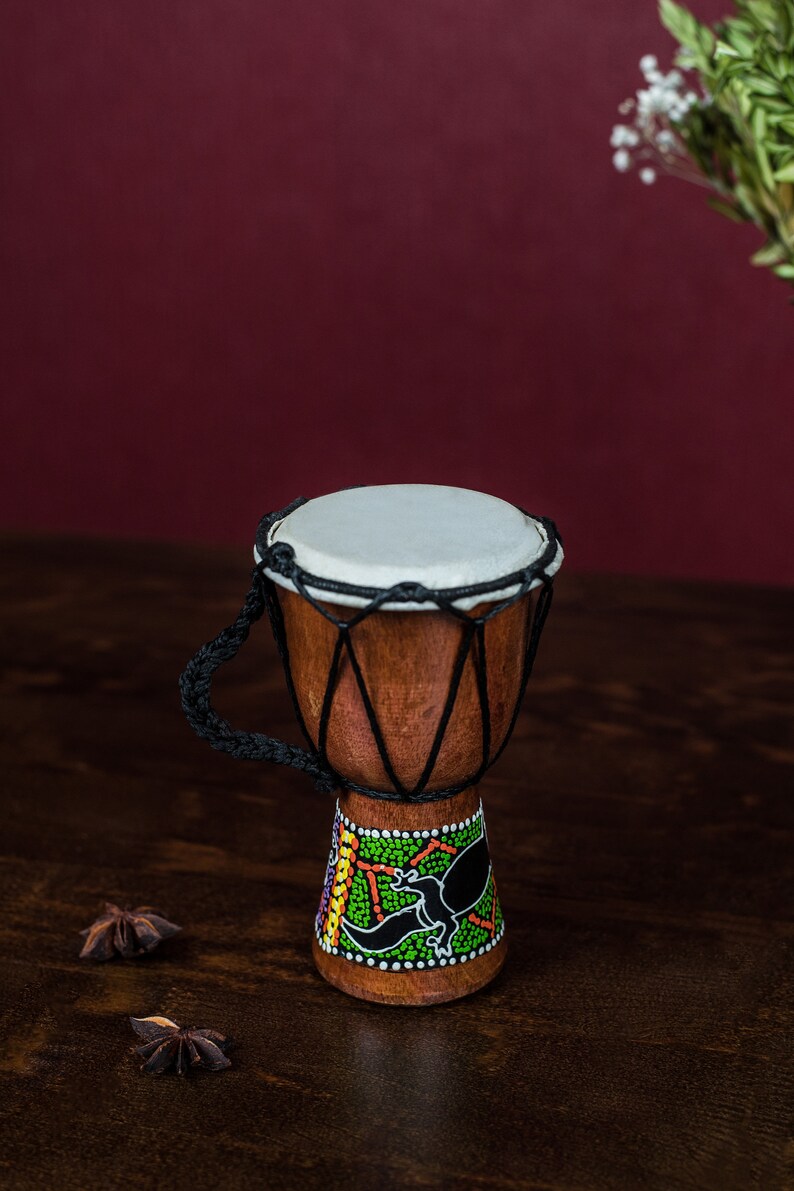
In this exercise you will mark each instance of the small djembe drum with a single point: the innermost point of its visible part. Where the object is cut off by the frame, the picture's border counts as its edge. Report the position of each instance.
(406, 619)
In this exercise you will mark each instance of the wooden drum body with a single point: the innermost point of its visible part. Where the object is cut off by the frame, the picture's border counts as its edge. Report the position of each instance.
(407, 618)
(409, 912)
(406, 661)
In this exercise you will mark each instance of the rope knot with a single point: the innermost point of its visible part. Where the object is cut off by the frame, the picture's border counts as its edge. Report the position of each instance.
(409, 592)
(280, 557)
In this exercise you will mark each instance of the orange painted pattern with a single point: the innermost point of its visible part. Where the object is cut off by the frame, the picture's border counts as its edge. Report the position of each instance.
(431, 847)
(373, 888)
(488, 923)
(371, 870)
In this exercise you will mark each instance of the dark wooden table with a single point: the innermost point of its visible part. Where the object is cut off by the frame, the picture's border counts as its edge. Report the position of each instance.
(641, 829)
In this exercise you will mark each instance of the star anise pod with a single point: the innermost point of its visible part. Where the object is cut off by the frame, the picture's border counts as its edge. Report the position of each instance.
(128, 932)
(167, 1047)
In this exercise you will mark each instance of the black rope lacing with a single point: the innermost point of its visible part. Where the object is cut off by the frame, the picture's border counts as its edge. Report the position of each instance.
(279, 558)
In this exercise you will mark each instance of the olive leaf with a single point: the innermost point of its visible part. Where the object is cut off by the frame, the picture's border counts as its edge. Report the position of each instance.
(770, 254)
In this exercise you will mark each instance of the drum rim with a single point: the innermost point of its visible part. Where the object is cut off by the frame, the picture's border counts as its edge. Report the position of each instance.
(277, 561)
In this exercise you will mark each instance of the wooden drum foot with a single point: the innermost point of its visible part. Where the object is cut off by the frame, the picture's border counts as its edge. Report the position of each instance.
(409, 913)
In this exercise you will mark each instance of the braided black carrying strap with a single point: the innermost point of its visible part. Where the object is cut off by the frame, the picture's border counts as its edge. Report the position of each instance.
(279, 558)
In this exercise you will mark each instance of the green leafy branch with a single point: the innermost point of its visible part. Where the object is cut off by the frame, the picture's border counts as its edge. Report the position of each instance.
(742, 135)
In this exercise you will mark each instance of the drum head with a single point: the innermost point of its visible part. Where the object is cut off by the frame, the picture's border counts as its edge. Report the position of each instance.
(441, 537)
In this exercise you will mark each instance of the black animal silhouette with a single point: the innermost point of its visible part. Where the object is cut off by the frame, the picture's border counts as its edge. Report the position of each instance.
(441, 903)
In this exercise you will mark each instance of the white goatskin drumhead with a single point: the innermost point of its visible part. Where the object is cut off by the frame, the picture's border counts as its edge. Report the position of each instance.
(422, 533)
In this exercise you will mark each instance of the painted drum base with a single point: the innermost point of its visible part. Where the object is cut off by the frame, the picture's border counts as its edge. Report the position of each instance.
(427, 987)
(409, 913)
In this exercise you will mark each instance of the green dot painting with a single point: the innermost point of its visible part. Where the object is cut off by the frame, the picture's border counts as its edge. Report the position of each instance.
(409, 900)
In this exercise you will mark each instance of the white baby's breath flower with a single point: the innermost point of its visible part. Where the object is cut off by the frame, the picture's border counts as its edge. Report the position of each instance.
(644, 104)
(623, 135)
(656, 100)
(655, 132)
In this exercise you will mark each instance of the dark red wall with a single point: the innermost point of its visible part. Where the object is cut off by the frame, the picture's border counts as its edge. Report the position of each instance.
(259, 248)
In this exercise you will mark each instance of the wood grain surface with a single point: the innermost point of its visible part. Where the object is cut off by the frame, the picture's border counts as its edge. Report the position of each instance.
(640, 822)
